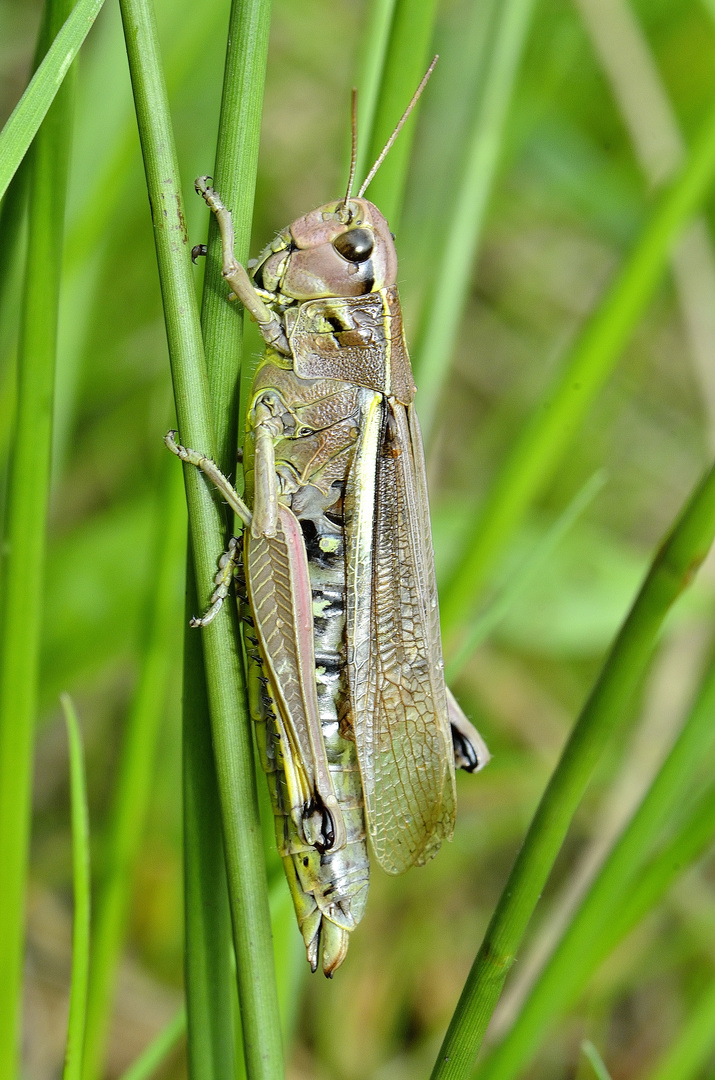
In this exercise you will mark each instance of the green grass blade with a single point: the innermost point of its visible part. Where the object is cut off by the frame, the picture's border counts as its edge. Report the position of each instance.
(692, 838)
(92, 219)
(484, 625)
(234, 176)
(642, 98)
(555, 423)
(373, 50)
(591, 1053)
(670, 572)
(689, 842)
(158, 1049)
(12, 226)
(603, 905)
(24, 539)
(444, 306)
(101, 172)
(406, 60)
(81, 887)
(209, 978)
(27, 116)
(229, 720)
(12, 217)
(135, 775)
(692, 1049)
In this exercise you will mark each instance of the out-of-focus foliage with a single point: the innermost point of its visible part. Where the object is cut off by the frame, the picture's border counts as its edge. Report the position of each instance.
(568, 201)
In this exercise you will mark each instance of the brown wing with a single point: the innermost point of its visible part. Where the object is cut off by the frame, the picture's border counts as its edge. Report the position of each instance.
(281, 604)
(398, 699)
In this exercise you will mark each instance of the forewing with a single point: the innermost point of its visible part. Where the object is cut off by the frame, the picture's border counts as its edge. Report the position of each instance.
(394, 654)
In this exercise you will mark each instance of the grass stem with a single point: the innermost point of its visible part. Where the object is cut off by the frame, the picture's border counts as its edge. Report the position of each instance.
(136, 767)
(158, 1049)
(207, 964)
(81, 889)
(224, 678)
(596, 1061)
(690, 1052)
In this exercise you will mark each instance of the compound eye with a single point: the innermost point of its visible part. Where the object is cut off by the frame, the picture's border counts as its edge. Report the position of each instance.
(356, 245)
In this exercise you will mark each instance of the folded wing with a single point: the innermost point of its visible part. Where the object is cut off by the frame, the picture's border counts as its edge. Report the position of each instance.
(398, 699)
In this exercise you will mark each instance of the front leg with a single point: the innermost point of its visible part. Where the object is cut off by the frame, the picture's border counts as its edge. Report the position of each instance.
(211, 469)
(228, 561)
(236, 276)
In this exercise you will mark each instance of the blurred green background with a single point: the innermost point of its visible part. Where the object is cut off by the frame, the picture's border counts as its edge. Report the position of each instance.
(570, 194)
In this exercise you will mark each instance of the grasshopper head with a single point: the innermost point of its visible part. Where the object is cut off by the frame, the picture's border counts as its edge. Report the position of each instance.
(340, 249)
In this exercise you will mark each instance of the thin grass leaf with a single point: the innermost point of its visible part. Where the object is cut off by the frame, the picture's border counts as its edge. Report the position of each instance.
(692, 838)
(591, 1053)
(158, 1050)
(234, 176)
(406, 59)
(671, 571)
(135, 776)
(603, 905)
(209, 975)
(12, 230)
(99, 193)
(591, 360)
(373, 50)
(25, 527)
(485, 624)
(444, 307)
(643, 100)
(692, 1049)
(690, 841)
(81, 890)
(229, 720)
(110, 176)
(27, 116)
(12, 218)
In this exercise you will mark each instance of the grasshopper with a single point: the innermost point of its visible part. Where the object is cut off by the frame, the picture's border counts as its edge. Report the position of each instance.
(357, 732)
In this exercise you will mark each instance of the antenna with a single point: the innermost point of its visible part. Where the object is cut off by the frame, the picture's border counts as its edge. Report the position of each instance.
(353, 152)
(388, 145)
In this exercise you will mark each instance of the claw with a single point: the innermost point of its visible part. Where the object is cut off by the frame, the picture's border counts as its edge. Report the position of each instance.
(170, 441)
(201, 184)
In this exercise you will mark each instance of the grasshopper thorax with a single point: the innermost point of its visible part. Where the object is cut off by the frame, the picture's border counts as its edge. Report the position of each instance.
(340, 249)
